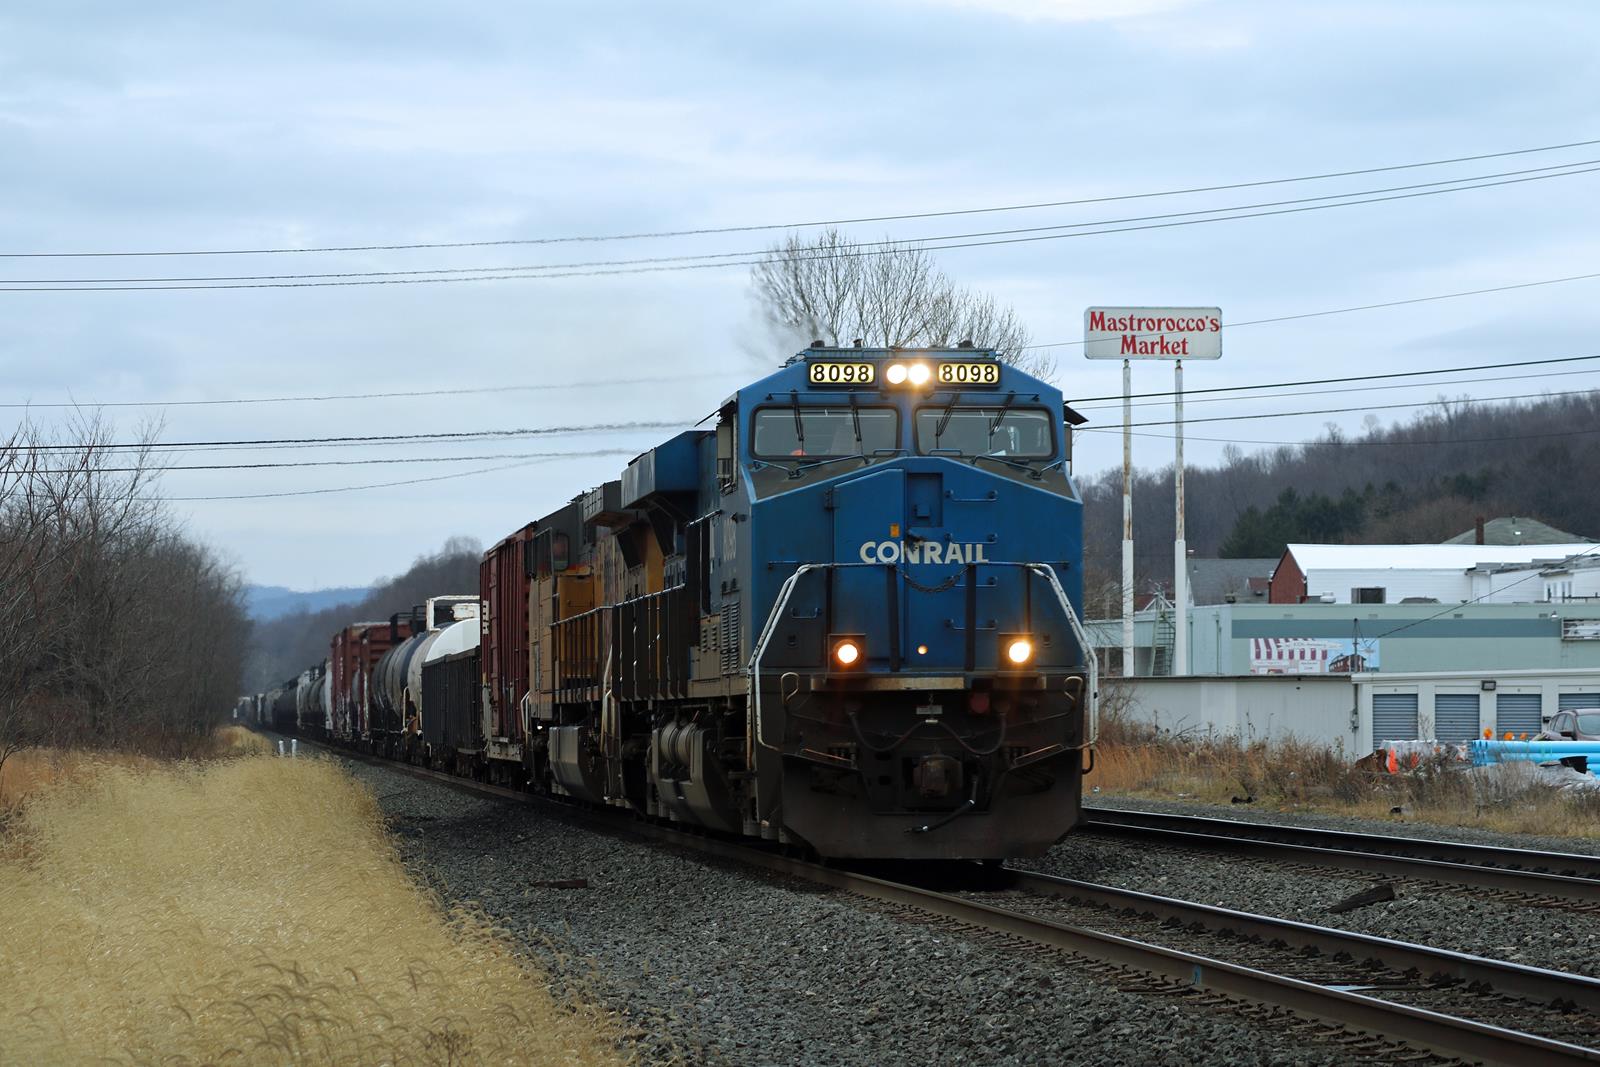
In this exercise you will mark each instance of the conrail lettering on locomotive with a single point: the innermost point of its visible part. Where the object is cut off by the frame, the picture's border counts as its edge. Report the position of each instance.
(923, 552)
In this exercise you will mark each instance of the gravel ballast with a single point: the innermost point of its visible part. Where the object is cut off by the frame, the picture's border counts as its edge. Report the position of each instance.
(1464, 919)
(707, 963)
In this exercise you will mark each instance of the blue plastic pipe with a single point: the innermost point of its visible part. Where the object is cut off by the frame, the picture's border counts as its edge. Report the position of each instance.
(1485, 753)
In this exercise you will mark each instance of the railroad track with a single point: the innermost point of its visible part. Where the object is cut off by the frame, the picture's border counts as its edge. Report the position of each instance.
(1327, 978)
(1542, 878)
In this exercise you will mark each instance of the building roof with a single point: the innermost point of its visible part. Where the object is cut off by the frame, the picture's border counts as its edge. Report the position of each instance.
(1451, 557)
(1512, 530)
(1212, 581)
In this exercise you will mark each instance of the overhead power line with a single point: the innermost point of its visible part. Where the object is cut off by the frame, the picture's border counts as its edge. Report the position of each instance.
(1187, 393)
(759, 227)
(670, 265)
(805, 254)
(163, 469)
(358, 488)
(1347, 389)
(486, 470)
(468, 391)
(395, 438)
(647, 426)
(1337, 411)
(1342, 443)
(1359, 307)
(1448, 609)
(663, 379)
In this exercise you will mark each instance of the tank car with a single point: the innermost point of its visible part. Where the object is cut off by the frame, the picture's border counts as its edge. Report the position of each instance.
(310, 714)
(397, 676)
(281, 713)
(847, 617)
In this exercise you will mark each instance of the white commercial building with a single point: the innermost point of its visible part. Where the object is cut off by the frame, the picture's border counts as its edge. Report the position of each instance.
(1444, 574)
(1355, 713)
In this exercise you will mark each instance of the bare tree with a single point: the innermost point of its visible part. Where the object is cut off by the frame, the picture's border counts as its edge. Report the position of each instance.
(886, 295)
(115, 630)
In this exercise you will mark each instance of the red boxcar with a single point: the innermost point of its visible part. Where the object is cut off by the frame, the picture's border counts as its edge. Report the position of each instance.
(503, 585)
(352, 654)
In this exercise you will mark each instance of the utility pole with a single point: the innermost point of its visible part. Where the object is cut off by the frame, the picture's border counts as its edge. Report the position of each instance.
(1180, 548)
(1127, 518)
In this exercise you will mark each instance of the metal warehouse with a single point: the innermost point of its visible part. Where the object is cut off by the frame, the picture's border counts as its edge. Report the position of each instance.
(1444, 574)
(1242, 639)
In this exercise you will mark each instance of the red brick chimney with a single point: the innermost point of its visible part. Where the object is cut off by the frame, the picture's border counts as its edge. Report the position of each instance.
(1479, 529)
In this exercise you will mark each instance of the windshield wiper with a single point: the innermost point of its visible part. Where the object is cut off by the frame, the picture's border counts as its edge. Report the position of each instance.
(1000, 416)
(944, 419)
(795, 472)
(799, 424)
(1016, 463)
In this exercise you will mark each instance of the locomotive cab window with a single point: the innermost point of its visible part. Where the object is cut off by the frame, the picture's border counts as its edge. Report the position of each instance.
(1022, 433)
(784, 432)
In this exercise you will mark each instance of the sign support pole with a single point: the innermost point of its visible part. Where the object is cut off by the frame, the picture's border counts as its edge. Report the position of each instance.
(1180, 547)
(1127, 518)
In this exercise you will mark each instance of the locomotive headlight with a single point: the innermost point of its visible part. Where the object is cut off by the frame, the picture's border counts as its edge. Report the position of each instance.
(1018, 650)
(896, 373)
(847, 651)
(919, 374)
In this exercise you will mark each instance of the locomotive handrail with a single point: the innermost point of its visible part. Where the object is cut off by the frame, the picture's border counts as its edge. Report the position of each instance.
(1048, 572)
(785, 591)
(1044, 570)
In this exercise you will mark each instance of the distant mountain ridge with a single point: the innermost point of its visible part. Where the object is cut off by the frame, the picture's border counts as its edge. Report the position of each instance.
(267, 602)
(282, 647)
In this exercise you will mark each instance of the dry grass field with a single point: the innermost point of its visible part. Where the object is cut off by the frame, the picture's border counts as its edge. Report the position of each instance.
(1295, 776)
(246, 910)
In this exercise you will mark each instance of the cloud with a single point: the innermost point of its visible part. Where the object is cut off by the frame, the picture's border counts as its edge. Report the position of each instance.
(204, 126)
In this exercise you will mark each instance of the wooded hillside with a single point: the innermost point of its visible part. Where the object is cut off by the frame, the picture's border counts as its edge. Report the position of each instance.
(282, 648)
(1419, 481)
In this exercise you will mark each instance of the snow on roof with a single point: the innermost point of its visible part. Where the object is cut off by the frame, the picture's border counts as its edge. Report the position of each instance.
(1428, 557)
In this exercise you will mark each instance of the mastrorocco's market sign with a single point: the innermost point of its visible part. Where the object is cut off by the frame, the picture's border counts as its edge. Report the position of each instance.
(1152, 333)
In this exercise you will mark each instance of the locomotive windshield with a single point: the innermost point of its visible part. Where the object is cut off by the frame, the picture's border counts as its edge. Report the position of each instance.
(1022, 433)
(818, 431)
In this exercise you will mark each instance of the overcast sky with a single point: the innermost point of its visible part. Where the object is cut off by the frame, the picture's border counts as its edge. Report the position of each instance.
(164, 126)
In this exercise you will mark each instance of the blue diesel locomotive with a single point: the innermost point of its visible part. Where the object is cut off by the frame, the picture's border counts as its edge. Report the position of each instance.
(847, 617)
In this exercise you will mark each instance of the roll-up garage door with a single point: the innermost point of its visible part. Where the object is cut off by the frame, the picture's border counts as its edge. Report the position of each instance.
(1574, 701)
(1455, 716)
(1394, 717)
(1518, 714)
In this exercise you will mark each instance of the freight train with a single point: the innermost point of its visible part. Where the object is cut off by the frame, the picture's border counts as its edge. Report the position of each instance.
(847, 616)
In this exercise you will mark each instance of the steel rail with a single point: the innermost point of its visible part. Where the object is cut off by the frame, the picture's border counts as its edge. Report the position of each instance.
(1472, 1041)
(1446, 861)
(1236, 837)
(1575, 864)
(1511, 979)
